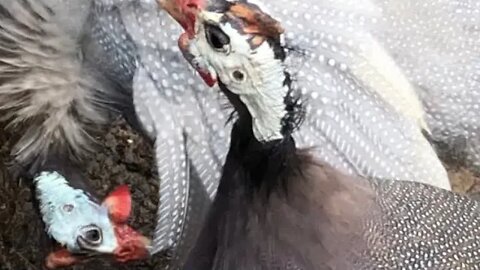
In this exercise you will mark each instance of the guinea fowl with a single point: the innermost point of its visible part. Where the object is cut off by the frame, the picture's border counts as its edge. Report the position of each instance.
(52, 98)
(277, 207)
(187, 121)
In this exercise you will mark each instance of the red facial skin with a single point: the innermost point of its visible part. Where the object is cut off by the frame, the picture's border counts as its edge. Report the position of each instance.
(131, 244)
(207, 77)
(119, 204)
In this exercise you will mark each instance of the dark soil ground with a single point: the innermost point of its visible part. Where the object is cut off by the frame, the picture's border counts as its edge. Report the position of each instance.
(124, 158)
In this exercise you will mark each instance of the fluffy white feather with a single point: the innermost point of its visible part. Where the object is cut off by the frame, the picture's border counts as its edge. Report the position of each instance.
(45, 86)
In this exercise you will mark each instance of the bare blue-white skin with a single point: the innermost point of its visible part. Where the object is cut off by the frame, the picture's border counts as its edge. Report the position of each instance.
(363, 66)
(72, 218)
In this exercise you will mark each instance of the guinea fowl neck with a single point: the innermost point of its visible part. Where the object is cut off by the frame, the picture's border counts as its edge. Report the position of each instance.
(256, 166)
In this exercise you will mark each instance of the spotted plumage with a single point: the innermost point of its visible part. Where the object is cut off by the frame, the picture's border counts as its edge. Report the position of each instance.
(443, 66)
(425, 228)
(278, 207)
(349, 123)
(334, 221)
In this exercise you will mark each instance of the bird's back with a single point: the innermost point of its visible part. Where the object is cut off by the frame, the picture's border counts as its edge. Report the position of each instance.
(422, 226)
(333, 221)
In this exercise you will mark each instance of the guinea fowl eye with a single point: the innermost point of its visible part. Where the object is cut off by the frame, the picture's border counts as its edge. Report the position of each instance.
(216, 37)
(238, 75)
(93, 235)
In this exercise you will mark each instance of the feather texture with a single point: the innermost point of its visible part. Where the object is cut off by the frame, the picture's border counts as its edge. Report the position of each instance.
(46, 87)
(278, 208)
(334, 221)
(188, 122)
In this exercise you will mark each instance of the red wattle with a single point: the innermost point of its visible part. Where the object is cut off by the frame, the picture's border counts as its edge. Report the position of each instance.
(119, 204)
(131, 244)
(207, 78)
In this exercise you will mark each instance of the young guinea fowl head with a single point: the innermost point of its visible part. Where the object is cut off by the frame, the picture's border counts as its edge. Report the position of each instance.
(82, 225)
(325, 220)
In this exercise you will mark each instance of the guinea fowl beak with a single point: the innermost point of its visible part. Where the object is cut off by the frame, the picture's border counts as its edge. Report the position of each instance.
(185, 12)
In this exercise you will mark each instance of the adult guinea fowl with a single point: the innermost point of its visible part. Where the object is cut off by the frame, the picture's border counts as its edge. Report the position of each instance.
(277, 207)
(52, 97)
(350, 121)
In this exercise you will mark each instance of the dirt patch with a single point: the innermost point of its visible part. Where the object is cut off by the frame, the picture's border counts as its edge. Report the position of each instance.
(464, 181)
(124, 158)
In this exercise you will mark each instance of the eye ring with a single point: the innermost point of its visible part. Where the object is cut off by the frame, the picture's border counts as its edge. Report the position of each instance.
(94, 235)
(216, 38)
(90, 236)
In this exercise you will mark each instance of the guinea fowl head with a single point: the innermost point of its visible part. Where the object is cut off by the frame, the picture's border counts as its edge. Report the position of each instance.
(84, 227)
(240, 46)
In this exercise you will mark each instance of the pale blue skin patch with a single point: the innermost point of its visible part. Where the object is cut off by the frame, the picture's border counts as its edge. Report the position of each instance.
(66, 210)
